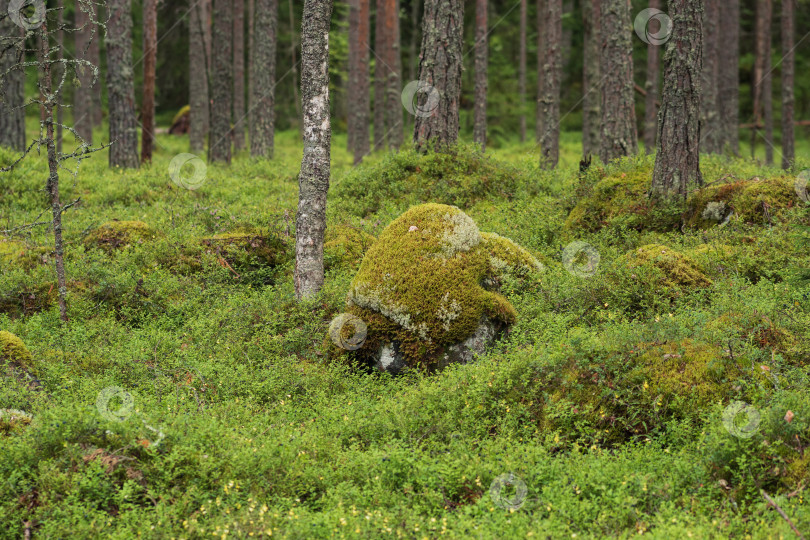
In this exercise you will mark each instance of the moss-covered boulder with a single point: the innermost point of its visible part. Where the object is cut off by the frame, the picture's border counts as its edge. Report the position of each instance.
(14, 353)
(119, 234)
(344, 246)
(15, 254)
(248, 248)
(427, 289)
(757, 201)
(664, 267)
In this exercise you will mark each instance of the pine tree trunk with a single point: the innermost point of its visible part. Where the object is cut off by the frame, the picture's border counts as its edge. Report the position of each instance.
(94, 57)
(83, 94)
(263, 77)
(60, 41)
(120, 88)
(219, 147)
(481, 52)
(592, 98)
(440, 66)
(294, 69)
(238, 74)
(541, 44)
(549, 103)
(651, 86)
(380, 75)
(728, 74)
(763, 105)
(709, 117)
(12, 85)
(313, 181)
(677, 161)
(522, 70)
(412, 48)
(207, 8)
(149, 65)
(393, 58)
(359, 79)
(619, 137)
(251, 17)
(198, 79)
(788, 70)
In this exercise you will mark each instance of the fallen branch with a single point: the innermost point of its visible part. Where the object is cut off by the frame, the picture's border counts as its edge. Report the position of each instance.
(781, 513)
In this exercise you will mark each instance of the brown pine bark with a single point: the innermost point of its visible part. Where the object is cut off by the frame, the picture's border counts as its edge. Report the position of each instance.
(710, 115)
(728, 74)
(83, 95)
(481, 52)
(549, 102)
(359, 79)
(440, 66)
(120, 88)
(12, 83)
(393, 85)
(219, 147)
(541, 40)
(522, 70)
(677, 161)
(619, 137)
(263, 77)
(198, 79)
(149, 65)
(763, 93)
(651, 86)
(592, 98)
(380, 75)
(788, 70)
(238, 75)
(313, 181)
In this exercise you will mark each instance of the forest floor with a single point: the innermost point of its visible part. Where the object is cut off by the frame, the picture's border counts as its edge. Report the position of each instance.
(605, 401)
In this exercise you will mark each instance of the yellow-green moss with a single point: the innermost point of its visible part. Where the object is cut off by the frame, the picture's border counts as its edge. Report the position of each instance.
(14, 352)
(674, 269)
(13, 419)
(184, 111)
(344, 246)
(757, 329)
(15, 254)
(247, 248)
(420, 284)
(119, 234)
(754, 201)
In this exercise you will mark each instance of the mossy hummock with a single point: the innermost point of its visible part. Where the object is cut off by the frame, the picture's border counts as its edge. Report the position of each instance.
(753, 201)
(14, 353)
(421, 286)
(248, 248)
(671, 269)
(15, 254)
(119, 234)
(344, 246)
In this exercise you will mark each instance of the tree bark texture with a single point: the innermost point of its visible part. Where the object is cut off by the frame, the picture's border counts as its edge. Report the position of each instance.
(120, 87)
(592, 98)
(763, 93)
(541, 40)
(710, 115)
(198, 79)
(619, 137)
(481, 53)
(440, 66)
(728, 75)
(313, 182)
(238, 74)
(149, 65)
(677, 161)
(522, 70)
(263, 77)
(651, 86)
(219, 147)
(94, 57)
(788, 73)
(83, 94)
(393, 57)
(380, 75)
(549, 102)
(12, 86)
(359, 105)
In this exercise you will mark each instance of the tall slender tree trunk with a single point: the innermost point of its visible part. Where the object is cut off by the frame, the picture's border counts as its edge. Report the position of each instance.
(592, 98)
(788, 69)
(251, 17)
(522, 70)
(549, 104)
(710, 115)
(619, 137)
(763, 103)
(83, 95)
(238, 74)
(149, 65)
(12, 85)
(380, 75)
(728, 74)
(393, 85)
(60, 55)
(263, 77)
(440, 66)
(541, 45)
(651, 86)
(294, 69)
(481, 52)
(94, 57)
(677, 161)
(412, 49)
(120, 88)
(197, 78)
(313, 181)
(208, 25)
(359, 79)
(219, 147)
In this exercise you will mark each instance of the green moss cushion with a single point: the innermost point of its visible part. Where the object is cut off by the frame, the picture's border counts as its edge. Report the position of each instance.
(13, 352)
